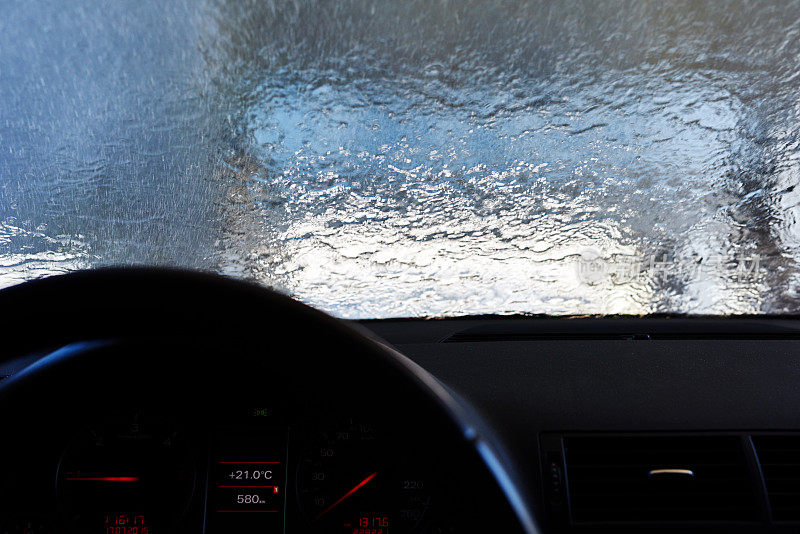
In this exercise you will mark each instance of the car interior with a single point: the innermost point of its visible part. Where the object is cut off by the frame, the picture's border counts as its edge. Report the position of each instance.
(399, 267)
(138, 405)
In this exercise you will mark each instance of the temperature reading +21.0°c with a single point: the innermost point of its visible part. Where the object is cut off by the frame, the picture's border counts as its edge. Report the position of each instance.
(246, 474)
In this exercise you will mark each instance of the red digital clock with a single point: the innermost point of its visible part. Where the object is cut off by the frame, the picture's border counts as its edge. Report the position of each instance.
(372, 524)
(127, 524)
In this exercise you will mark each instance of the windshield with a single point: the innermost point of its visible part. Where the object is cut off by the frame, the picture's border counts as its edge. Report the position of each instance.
(415, 158)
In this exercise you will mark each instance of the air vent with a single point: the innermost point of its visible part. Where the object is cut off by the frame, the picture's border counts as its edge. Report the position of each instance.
(780, 464)
(641, 479)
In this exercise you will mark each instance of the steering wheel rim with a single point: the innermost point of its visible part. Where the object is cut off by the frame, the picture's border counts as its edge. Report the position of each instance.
(111, 305)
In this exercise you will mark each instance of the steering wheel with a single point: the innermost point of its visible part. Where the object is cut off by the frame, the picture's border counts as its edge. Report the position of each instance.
(199, 345)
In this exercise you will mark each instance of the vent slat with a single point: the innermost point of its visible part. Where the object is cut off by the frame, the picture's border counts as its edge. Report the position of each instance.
(608, 479)
(780, 463)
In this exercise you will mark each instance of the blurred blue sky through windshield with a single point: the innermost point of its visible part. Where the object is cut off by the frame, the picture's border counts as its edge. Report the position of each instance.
(415, 158)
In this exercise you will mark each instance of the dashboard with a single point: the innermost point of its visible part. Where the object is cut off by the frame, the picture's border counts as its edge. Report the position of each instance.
(589, 407)
(150, 418)
(151, 408)
(249, 468)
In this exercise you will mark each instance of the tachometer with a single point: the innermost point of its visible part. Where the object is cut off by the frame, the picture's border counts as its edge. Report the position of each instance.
(353, 480)
(125, 477)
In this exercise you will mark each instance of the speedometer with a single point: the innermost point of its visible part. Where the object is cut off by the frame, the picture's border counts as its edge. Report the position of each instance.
(352, 479)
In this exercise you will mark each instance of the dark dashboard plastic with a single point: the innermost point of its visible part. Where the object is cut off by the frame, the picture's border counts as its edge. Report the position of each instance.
(530, 376)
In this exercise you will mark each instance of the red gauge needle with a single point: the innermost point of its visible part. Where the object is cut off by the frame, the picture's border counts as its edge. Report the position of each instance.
(105, 479)
(346, 495)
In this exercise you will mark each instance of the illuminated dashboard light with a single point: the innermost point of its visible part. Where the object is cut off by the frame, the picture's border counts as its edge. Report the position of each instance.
(274, 488)
(243, 462)
(247, 511)
(103, 479)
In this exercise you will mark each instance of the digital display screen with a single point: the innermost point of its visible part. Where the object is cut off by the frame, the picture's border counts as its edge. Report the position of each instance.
(370, 524)
(249, 486)
(127, 524)
(248, 477)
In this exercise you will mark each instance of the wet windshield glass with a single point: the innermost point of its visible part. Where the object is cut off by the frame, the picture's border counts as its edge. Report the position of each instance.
(416, 158)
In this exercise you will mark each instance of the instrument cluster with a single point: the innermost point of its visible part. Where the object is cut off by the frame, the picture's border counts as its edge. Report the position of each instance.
(256, 470)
